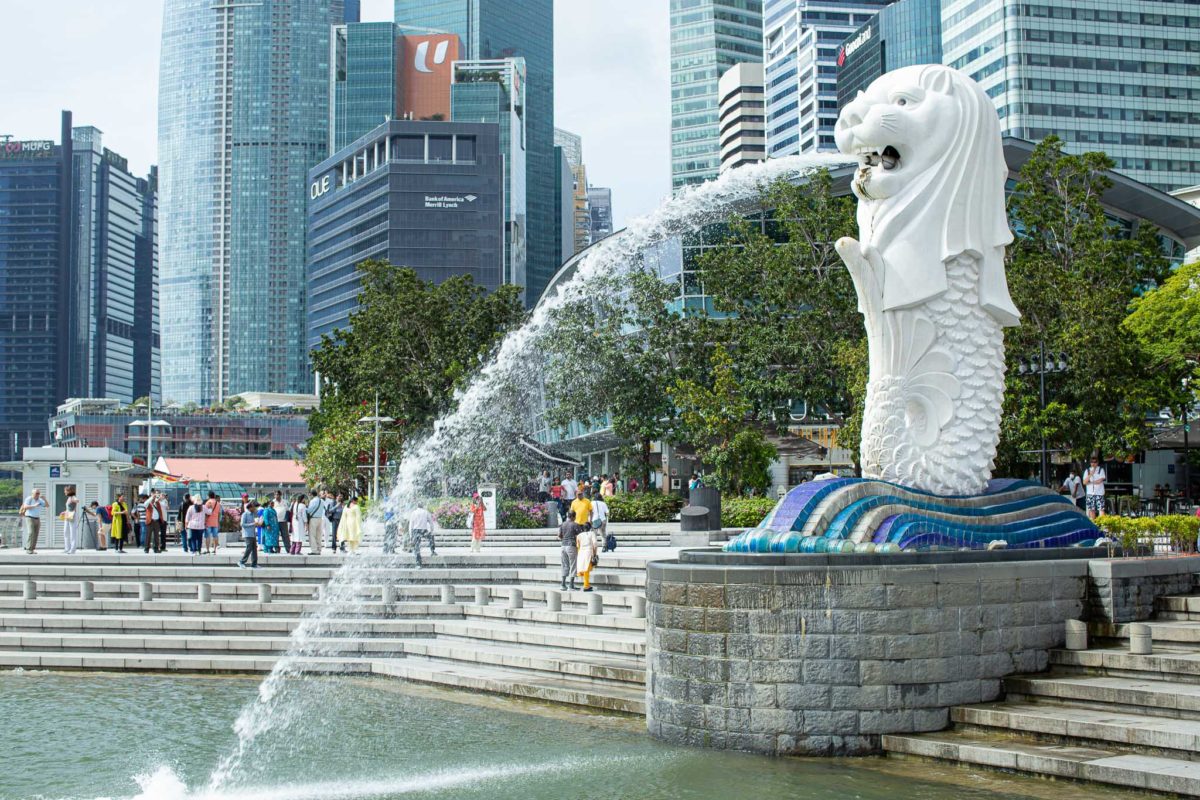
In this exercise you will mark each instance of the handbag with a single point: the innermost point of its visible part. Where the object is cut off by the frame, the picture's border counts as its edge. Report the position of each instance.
(595, 558)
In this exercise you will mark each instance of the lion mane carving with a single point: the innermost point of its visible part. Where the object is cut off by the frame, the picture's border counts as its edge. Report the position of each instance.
(929, 272)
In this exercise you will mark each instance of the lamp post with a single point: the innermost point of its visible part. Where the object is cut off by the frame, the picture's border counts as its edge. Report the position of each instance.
(149, 423)
(1041, 367)
(377, 421)
(1187, 482)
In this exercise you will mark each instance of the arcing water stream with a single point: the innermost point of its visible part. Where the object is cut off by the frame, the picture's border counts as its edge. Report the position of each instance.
(497, 400)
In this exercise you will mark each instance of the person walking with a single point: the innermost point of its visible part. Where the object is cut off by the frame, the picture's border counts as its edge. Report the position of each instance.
(556, 498)
(316, 523)
(181, 522)
(139, 520)
(336, 509)
(569, 490)
(212, 523)
(122, 525)
(1073, 488)
(585, 543)
(1094, 479)
(269, 522)
(32, 509)
(581, 508)
(250, 524)
(284, 515)
(600, 521)
(569, 550)
(72, 517)
(420, 528)
(607, 487)
(543, 487)
(349, 527)
(195, 523)
(104, 521)
(475, 517)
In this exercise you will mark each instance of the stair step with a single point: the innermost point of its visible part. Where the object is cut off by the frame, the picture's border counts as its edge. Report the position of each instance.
(580, 639)
(112, 623)
(1102, 765)
(1165, 663)
(1119, 695)
(1102, 728)
(568, 617)
(216, 645)
(611, 697)
(606, 669)
(174, 662)
(1160, 631)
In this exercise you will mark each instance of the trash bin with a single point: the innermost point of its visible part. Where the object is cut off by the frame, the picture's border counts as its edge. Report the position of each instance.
(709, 497)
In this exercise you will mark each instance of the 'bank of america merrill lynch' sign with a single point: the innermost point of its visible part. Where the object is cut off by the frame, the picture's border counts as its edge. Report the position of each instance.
(448, 200)
(36, 148)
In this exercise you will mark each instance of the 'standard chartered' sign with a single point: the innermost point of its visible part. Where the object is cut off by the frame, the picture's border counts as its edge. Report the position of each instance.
(448, 200)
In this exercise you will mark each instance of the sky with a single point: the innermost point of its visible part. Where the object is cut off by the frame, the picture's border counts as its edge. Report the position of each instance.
(100, 61)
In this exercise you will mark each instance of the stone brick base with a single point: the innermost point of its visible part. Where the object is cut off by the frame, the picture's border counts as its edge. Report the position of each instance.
(821, 655)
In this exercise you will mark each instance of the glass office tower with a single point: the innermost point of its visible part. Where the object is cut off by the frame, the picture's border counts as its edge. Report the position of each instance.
(495, 29)
(903, 34)
(802, 43)
(494, 92)
(1100, 74)
(707, 38)
(243, 115)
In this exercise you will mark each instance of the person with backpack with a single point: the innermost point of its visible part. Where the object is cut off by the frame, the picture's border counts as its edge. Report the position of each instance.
(316, 522)
(104, 519)
(600, 521)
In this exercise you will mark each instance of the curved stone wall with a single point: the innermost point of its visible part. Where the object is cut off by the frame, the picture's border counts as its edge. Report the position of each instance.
(822, 655)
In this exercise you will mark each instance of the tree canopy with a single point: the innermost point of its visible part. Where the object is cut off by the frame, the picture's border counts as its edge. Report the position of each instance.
(411, 341)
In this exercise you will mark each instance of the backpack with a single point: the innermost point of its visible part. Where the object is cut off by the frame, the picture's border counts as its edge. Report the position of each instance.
(610, 542)
(288, 516)
(105, 514)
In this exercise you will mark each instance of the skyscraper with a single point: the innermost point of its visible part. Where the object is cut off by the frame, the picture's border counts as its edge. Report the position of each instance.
(742, 121)
(1100, 74)
(901, 35)
(802, 40)
(495, 29)
(564, 198)
(77, 263)
(600, 206)
(707, 37)
(243, 115)
(572, 148)
(494, 91)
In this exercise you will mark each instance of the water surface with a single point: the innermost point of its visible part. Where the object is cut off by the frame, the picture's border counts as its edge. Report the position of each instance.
(160, 737)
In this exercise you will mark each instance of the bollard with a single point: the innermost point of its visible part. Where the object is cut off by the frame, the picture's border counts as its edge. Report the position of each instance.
(483, 595)
(30, 590)
(1139, 639)
(145, 591)
(1076, 635)
(447, 595)
(639, 606)
(516, 599)
(204, 592)
(87, 590)
(595, 604)
(389, 593)
(553, 600)
(264, 593)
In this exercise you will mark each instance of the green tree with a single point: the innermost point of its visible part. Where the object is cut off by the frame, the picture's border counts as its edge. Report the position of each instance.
(608, 359)
(1073, 273)
(411, 341)
(716, 417)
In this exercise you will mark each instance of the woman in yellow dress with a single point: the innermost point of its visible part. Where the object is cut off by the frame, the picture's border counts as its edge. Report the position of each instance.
(350, 528)
(120, 522)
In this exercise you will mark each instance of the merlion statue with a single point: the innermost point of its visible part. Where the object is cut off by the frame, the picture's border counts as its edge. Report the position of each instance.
(929, 272)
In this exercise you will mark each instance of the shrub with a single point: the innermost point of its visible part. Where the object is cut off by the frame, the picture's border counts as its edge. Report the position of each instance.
(643, 507)
(450, 512)
(744, 512)
(523, 514)
(1181, 529)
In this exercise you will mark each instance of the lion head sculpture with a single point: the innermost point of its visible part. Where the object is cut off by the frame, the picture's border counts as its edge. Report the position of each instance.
(931, 171)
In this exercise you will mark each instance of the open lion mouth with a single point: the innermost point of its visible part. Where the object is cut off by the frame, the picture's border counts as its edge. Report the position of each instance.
(888, 158)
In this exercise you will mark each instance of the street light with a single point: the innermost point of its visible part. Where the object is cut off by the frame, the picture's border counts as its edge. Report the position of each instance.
(149, 423)
(1041, 366)
(377, 421)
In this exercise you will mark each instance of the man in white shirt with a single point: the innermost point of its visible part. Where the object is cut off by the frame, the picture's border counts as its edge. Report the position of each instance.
(32, 510)
(569, 489)
(1074, 489)
(1093, 483)
(600, 520)
(316, 523)
(420, 528)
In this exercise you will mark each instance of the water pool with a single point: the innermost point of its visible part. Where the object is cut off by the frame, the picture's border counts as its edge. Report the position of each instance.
(160, 737)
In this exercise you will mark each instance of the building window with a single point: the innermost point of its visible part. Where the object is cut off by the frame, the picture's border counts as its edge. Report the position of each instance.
(441, 148)
(409, 148)
(465, 148)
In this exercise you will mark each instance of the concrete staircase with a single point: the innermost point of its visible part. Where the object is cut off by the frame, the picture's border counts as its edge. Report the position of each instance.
(514, 643)
(648, 534)
(1101, 714)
